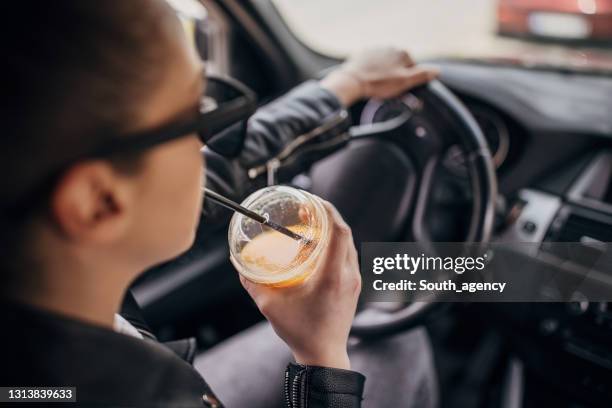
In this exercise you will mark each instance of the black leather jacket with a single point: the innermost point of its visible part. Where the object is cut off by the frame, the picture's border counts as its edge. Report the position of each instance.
(288, 134)
(111, 369)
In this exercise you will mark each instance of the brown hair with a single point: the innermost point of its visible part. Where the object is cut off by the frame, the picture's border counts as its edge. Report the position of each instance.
(75, 72)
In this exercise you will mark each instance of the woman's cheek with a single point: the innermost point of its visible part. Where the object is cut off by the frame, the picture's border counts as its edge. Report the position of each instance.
(186, 210)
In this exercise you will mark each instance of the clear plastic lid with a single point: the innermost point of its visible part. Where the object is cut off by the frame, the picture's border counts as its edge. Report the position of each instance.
(264, 255)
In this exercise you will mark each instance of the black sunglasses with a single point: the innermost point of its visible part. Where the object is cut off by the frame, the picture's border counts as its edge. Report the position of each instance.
(226, 102)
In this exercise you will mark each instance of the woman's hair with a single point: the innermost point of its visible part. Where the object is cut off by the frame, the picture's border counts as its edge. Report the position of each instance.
(75, 72)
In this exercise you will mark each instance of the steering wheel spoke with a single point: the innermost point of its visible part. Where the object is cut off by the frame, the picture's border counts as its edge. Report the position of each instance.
(416, 231)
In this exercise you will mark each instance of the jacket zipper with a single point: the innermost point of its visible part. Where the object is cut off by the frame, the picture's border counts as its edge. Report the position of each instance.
(296, 396)
(295, 390)
(336, 120)
(287, 396)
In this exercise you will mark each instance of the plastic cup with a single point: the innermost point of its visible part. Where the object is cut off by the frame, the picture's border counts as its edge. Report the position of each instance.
(267, 257)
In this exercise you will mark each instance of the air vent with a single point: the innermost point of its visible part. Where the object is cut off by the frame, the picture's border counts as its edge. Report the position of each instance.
(592, 230)
(578, 229)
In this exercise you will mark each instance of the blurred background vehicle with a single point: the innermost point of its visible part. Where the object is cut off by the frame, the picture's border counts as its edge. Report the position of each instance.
(583, 20)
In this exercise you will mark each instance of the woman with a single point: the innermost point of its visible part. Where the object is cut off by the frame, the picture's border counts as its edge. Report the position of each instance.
(80, 221)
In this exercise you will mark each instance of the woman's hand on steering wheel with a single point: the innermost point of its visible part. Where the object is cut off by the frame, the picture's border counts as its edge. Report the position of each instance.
(378, 73)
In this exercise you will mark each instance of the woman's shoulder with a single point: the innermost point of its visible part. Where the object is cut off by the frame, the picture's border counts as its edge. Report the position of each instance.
(109, 368)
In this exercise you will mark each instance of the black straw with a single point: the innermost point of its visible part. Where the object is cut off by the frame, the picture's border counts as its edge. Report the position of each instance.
(226, 202)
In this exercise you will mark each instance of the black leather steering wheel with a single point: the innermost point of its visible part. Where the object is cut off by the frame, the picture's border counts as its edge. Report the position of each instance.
(412, 134)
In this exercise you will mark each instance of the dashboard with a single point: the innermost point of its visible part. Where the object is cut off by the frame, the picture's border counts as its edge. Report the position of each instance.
(555, 179)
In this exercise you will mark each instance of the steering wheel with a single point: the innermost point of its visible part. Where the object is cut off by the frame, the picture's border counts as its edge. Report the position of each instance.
(390, 164)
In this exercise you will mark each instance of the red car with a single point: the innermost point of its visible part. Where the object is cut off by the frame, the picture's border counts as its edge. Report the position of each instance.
(556, 19)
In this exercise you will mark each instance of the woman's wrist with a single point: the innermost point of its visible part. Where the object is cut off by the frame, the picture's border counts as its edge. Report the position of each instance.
(339, 359)
(345, 85)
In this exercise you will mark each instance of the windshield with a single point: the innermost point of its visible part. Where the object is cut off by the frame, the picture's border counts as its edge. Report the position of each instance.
(568, 34)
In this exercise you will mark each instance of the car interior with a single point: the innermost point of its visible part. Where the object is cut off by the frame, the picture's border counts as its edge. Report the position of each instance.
(549, 131)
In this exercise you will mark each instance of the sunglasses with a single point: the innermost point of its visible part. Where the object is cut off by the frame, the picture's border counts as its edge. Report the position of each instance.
(225, 105)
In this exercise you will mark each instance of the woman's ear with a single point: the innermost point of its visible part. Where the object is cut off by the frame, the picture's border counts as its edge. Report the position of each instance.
(90, 203)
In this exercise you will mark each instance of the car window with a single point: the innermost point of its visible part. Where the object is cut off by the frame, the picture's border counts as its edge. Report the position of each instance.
(575, 34)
